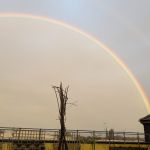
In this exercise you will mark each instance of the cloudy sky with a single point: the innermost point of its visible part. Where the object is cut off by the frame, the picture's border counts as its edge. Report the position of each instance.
(37, 53)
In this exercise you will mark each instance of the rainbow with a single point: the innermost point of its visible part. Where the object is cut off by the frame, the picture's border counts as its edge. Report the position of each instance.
(96, 41)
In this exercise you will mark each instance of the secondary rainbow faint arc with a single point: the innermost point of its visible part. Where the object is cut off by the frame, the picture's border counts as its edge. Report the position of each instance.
(93, 39)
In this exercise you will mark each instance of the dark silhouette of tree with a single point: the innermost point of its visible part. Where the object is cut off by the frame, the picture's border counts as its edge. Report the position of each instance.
(62, 98)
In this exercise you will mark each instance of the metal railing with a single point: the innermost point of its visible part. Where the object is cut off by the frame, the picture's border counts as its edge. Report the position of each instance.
(72, 136)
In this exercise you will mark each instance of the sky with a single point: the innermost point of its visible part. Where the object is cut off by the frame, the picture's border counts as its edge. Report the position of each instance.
(121, 25)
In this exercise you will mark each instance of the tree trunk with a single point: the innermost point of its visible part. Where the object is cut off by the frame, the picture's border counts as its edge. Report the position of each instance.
(62, 112)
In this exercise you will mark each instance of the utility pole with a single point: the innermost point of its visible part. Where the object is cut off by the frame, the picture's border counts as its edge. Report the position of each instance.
(62, 98)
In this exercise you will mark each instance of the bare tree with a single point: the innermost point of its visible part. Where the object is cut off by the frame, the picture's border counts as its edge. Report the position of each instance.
(62, 98)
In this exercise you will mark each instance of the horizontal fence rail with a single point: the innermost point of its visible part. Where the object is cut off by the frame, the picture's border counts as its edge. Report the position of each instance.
(72, 136)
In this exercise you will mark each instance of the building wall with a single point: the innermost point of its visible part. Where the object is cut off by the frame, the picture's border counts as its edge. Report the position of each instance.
(100, 146)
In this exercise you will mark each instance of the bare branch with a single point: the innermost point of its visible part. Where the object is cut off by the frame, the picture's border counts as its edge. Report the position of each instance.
(62, 98)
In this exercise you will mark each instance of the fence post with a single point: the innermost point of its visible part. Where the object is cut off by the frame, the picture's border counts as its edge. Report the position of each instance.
(138, 137)
(39, 134)
(94, 139)
(19, 133)
(124, 137)
(77, 139)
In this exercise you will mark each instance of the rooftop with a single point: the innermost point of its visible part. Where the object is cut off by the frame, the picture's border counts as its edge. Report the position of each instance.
(145, 119)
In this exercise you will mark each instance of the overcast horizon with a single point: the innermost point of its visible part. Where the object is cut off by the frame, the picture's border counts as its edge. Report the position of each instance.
(36, 54)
